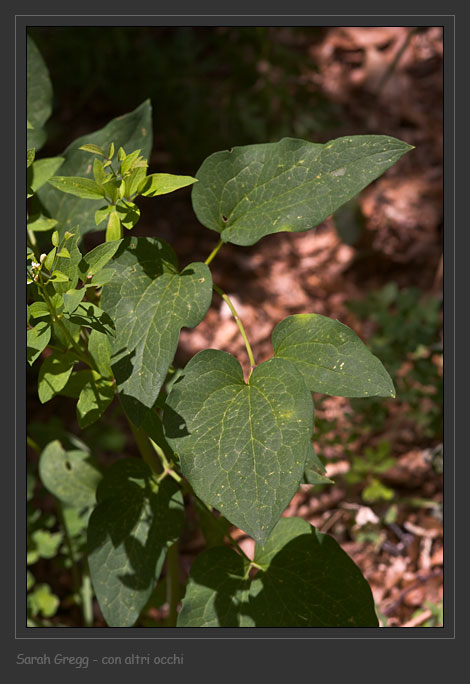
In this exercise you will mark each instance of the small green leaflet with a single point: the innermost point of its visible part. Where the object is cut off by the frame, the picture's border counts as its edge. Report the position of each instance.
(72, 476)
(163, 183)
(94, 399)
(97, 258)
(150, 301)
(54, 374)
(37, 340)
(129, 532)
(314, 472)
(241, 446)
(331, 357)
(305, 580)
(248, 192)
(80, 187)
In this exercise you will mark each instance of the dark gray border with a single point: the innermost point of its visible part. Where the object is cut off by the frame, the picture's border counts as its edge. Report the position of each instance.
(191, 641)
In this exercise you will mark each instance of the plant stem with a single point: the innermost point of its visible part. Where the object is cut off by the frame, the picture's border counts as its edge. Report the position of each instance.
(214, 252)
(240, 325)
(56, 319)
(87, 598)
(75, 571)
(145, 448)
(172, 584)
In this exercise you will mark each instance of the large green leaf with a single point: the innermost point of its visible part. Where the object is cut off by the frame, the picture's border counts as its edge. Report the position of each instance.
(248, 192)
(38, 96)
(331, 357)
(136, 520)
(305, 580)
(131, 131)
(241, 446)
(72, 476)
(150, 301)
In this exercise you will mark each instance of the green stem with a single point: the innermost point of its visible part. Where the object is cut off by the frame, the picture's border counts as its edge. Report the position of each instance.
(239, 324)
(214, 252)
(172, 584)
(56, 319)
(68, 542)
(145, 447)
(87, 598)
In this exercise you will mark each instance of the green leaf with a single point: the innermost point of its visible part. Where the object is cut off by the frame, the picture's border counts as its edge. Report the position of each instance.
(30, 154)
(42, 170)
(72, 299)
(72, 476)
(39, 223)
(59, 277)
(103, 213)
(69, 265)
(331, 357)
(80, 187)
(39, 310)
(136, 520)
(37, 340)
(38, 95)
(99, 347)
(46, 543)
(97, 258)
(43, 601)
(305, 580)
(135, 180)
(133, 130)
(92, 316)
(113, 228)
(94, 149)
(241, 446)
(129, 213)
(150, 301)
(292, 185)
(94, 399)
(78, 381)
(54, 374)
(162, 183)
(99, 172)
(314, 473)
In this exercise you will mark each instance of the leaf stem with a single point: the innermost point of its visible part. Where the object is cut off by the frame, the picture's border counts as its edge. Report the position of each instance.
(56, 319)
(172, 585)
(145, 448)
(214, 252)
(87, 598)
(226, 299)
(74, 567)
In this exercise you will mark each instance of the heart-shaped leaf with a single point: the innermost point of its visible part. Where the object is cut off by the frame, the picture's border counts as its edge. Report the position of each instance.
(304, 579)
(331, 357)
(129, 532)
(248, 192)
(241, 446)
(150, 301)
